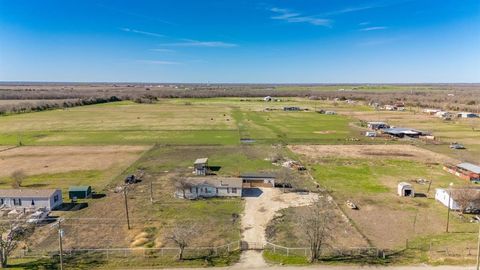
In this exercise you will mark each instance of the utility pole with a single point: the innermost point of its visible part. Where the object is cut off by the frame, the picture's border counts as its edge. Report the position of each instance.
(126, 205)
(478, 250)
(60, 246)
(151, 191)
(449, 205)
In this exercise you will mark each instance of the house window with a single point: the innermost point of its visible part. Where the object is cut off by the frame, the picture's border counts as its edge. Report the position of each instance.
(196, 189)
(228, 190)
(17, 201)
(216, 190)
(1, 201)
(33, 202)
(191, 189)
(234, 190)
(55, 199)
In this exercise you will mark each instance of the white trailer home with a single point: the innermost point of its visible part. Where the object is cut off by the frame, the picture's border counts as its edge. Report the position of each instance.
(206, 187)
(31, 198)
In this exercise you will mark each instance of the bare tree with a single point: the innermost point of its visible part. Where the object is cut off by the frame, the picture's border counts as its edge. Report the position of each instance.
(182, 235)
(285, 177)
(11, 234)
(466, 198)
(317, 222)
(17, 178)
(183, 184)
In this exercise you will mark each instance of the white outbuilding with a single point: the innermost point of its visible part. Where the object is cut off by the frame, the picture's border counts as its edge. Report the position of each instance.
(405, 190)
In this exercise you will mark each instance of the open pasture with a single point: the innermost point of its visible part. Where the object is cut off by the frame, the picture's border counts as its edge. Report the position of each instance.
(62, 166)
(370, 181)
(181, 121)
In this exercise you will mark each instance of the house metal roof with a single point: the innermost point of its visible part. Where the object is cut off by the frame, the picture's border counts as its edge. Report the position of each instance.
(257, 175)
(201, 160)
(232, 182)
(79, 188)
(469, 167)
(27, 193)
(399, 130)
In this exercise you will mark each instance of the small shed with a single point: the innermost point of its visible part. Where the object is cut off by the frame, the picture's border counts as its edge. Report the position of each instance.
(405, 190)
(79, 192)
(201, 166)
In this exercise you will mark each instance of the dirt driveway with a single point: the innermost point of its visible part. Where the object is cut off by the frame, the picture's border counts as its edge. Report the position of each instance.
(260, 207)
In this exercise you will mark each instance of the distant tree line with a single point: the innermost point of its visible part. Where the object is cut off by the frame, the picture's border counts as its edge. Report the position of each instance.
(43, 105)
(448, 97)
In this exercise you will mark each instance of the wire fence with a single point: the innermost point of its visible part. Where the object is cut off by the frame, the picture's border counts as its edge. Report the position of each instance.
(112, 253)
(328, 252)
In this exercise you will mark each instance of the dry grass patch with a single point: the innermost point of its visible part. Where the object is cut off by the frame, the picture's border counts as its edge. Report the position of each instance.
(56, 159)
(403, 152)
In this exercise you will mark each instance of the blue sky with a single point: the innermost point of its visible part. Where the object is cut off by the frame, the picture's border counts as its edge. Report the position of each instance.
(283, 41)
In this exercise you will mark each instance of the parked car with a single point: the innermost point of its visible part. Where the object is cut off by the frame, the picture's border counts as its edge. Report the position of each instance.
(457, 146)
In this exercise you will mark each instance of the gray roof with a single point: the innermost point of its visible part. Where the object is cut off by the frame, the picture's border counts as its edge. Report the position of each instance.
(469, 167)
(201, 161)
(79, 188)
(232, 182)
(399, 130)
(257, 175)
(27, 193)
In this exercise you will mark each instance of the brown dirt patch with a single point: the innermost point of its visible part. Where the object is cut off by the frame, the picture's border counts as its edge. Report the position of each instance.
(325, 132)
(55, 159)
(408, 152)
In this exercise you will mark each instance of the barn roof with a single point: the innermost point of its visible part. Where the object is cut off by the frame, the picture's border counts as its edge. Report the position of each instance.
(469, 167)
(27, 193)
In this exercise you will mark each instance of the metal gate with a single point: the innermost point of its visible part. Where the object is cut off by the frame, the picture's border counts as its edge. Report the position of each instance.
(244, 245)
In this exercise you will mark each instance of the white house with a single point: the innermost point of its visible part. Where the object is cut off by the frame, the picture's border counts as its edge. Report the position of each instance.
(443, 195)
(447, 197)
(206, 187)
(31, 198)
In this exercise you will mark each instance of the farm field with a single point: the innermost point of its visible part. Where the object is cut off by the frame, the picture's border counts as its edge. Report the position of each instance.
(99, 145)
(189, 121)
(64, 166)
(368, 176)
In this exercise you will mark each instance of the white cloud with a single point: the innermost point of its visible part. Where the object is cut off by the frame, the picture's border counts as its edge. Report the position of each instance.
(197, 43)
(152, 34)
(374, 28)
(295, 17)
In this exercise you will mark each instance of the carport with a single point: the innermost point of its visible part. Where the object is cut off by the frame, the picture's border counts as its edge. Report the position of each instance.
(251, 180)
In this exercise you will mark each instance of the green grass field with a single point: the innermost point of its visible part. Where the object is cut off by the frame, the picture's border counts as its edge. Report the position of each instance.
(215, 121)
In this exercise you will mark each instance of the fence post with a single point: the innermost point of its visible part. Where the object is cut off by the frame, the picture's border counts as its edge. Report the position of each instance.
(288, 252)
(274, 251)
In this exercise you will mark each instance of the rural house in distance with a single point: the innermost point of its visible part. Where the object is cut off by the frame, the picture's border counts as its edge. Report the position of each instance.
(206, 187)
